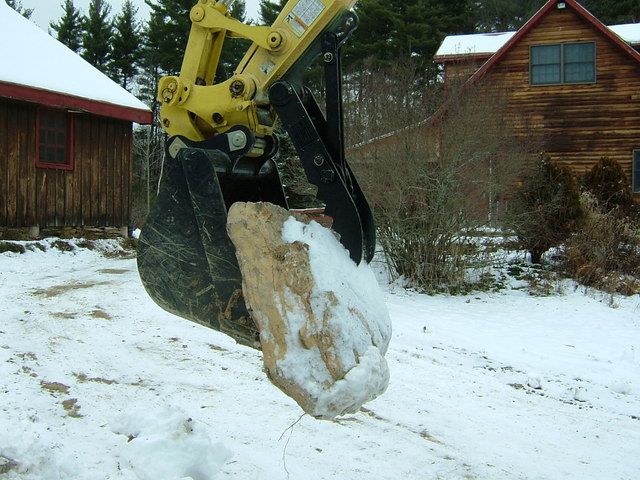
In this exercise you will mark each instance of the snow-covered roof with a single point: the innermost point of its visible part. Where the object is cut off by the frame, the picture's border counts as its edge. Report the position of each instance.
(30, 59)
(489, 43)
(474, 44)
(629, 32)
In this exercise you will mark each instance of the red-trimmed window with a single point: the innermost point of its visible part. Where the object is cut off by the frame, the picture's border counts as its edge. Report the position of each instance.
(54, 147)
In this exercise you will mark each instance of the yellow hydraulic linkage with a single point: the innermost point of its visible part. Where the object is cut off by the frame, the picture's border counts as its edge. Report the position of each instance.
(195, 106)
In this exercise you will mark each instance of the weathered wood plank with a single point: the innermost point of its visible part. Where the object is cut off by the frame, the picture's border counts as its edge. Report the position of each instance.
(111, 171)
(126, 175)
(24, 135)
(30, 163)
(13, 158)
(4, 166)
(76, 178)
(83, 157)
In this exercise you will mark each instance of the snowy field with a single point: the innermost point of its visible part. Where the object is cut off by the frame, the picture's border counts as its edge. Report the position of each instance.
(98, 383)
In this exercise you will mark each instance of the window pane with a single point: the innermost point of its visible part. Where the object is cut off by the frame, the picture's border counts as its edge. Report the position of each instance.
(545, 74)
(545, 64)
(60, 156)
(579, 72)
(545, 54)
(579, 62)
(578, 52)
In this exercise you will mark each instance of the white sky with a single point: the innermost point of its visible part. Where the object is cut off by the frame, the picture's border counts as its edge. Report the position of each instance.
(46, 11)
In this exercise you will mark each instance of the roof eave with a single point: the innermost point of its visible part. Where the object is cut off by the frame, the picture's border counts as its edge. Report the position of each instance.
(56, 99)
(466, 57)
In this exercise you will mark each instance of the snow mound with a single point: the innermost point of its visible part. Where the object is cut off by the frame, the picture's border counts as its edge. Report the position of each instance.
(169, 445)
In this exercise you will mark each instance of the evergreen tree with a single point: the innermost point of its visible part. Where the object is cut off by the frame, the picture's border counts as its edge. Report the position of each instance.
(17, 6)
(234, 48)
(396, 30)
(503, 15)
(545, 210)
(269, 11)
(611, 12)
(609, 185)
(167, 33)
(96, 38)
(125, 45)
(69, 27)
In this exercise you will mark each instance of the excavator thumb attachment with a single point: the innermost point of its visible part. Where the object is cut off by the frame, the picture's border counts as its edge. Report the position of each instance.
(186, 261)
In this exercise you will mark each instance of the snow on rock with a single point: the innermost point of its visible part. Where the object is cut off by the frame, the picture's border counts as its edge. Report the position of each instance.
(534, 381)
(324, 326)
(168, 445)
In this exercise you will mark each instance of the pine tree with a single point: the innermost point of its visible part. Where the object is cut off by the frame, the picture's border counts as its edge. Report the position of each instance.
(396, 30)
(69, 27)
(96, 38)
(167, 33)
(545, 209)
(234, 48)
(17, 6)
(269, 11)
(503, 15)
(611, 12)
(125, 45)
(609, 185)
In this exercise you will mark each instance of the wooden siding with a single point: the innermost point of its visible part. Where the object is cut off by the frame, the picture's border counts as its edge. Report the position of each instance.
(97, 192)
(580, 123)
(458, 71)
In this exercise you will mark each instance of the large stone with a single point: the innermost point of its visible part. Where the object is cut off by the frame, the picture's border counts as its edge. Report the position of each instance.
(324, 327)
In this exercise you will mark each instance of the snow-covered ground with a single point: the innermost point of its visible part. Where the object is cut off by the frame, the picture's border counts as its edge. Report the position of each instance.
(96, 382)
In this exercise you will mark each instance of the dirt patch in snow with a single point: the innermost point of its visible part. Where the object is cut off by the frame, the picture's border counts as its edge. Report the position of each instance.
(57, 290)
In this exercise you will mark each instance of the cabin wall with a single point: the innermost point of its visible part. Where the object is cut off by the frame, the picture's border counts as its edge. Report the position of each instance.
(456, 72)
(96, 192)
(579, 123)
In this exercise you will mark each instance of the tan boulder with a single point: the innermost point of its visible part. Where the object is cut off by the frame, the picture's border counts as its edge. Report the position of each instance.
(323, 324)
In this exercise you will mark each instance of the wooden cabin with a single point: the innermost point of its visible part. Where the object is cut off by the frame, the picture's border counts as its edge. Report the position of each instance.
(575, 81)
(65, 135)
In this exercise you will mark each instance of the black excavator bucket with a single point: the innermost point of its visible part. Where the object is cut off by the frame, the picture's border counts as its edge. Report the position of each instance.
(186, 261)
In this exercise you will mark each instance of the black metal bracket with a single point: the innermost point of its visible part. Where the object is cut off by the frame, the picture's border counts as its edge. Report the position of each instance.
(319, 142)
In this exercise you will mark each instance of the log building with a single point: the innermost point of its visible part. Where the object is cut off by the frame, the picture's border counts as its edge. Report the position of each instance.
(574, 80)
(65, 135)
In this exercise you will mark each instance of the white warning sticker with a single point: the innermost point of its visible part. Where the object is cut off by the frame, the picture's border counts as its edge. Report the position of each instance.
(303, 15)
(267, 67)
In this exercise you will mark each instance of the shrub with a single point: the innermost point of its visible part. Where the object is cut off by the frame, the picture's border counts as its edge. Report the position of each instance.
(431, 181)
(545, 209)
(605, 252)
(609, 185)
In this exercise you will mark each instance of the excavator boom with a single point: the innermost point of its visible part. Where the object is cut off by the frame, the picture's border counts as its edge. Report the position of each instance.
(221, 150)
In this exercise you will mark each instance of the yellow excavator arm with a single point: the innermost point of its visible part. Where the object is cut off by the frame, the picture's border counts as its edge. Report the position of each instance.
(222, 150)
(195, 106)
